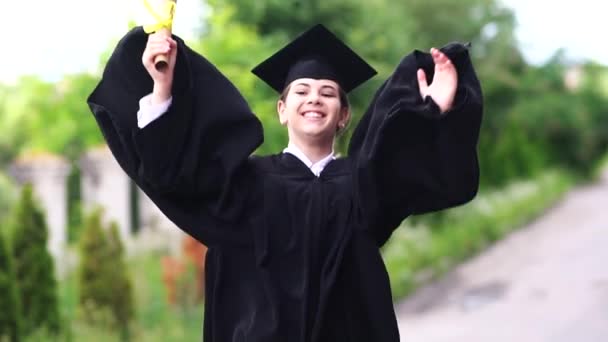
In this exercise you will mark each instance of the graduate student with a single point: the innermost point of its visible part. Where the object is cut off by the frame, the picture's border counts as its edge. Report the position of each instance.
(294, 238)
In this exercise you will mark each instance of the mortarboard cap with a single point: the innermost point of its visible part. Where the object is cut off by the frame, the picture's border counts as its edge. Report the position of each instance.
(316, 53)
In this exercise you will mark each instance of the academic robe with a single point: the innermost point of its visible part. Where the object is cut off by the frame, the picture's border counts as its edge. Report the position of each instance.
(292, 256)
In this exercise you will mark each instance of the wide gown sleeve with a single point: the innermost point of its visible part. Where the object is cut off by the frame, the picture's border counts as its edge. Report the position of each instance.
(192, 160)
(409, 157)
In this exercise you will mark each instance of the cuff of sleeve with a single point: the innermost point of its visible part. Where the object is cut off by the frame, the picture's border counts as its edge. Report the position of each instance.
(149, 112)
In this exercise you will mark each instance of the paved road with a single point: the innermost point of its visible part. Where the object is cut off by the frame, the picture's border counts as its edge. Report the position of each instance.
(545, 282)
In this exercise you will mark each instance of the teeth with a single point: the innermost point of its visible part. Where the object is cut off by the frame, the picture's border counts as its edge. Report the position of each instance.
(313, 115)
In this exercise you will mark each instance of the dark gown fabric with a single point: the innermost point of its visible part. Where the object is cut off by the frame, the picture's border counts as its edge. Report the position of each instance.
(292, 256)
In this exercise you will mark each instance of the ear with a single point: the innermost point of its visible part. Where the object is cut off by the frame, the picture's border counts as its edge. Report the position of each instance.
(281, 112)
(344, 118)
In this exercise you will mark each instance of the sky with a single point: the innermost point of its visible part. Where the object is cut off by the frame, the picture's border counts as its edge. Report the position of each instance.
(53, 38)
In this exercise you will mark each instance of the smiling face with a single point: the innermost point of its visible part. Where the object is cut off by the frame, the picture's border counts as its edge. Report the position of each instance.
(313, 110)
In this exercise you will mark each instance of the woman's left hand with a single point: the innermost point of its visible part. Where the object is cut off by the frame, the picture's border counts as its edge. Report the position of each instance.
(445, 81)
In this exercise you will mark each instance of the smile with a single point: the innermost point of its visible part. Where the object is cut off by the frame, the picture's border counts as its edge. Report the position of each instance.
(313, 114)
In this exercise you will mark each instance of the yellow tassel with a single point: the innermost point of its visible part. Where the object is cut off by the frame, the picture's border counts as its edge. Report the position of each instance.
(164, 19)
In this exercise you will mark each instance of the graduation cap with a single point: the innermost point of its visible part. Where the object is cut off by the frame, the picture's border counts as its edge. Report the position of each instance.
(316, 53)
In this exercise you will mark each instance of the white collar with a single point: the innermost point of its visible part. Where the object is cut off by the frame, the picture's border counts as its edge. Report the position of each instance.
(317, 167)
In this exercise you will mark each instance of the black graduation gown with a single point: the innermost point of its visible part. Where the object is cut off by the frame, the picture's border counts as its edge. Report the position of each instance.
(292, 257)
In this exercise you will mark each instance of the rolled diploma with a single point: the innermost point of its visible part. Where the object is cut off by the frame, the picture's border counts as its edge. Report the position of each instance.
(161, 61)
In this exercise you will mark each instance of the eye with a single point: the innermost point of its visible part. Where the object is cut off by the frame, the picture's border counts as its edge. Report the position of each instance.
(328, 94)
(300, 92)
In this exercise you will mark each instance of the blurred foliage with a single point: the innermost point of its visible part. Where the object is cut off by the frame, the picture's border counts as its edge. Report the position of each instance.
(7, 198)
(106, 291)
(75, 210)
(156, 319)
(42, 116)
(10, 318)
(34, 267)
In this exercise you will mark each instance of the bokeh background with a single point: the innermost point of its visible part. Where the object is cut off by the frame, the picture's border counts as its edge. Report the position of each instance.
(109, 276)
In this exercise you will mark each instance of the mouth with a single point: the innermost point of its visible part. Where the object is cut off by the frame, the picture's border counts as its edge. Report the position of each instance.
(312, 114)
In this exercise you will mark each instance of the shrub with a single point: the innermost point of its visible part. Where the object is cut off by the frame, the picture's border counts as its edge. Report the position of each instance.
(9, 313)
(7, 196)
(106, 292)
(34, 268)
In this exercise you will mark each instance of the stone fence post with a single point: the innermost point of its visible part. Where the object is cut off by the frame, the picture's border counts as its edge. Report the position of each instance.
(157, 231)
(105, 184)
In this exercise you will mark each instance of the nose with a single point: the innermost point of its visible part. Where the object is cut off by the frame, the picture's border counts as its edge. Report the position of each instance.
(313, 98)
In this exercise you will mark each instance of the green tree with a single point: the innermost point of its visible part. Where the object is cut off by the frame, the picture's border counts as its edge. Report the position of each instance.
(48, 117)
(10, 319)
(106, 294)
(291, 17)
(7, 196)
(122, 305)
(34, 268)
(93, 253)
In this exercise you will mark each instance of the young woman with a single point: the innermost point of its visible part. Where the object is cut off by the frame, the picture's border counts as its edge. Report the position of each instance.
(294, 238)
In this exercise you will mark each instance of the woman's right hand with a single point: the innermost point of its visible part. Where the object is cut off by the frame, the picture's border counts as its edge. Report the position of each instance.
(160, 43)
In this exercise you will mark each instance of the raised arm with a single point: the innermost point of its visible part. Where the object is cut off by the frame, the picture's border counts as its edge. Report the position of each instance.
(415, 147)
(190, 160)
(158, 44)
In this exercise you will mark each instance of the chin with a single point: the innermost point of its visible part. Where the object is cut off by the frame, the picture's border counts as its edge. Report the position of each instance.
(317, 130)
(318, 134)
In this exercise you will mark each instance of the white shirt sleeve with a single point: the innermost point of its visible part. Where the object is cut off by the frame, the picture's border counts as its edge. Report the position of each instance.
(149, 112)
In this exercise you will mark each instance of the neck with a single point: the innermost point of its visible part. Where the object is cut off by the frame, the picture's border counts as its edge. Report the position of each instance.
(313, 151)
